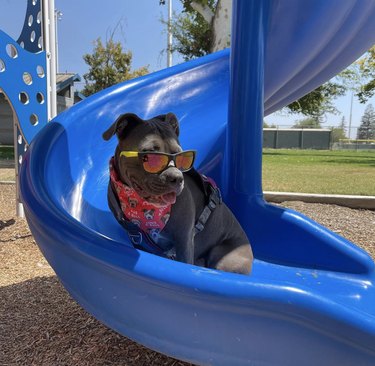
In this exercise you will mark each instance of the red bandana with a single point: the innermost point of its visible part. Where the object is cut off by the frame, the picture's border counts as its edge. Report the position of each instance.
(151, 219)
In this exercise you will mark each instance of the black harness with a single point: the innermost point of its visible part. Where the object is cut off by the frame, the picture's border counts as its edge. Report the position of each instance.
(142, 240)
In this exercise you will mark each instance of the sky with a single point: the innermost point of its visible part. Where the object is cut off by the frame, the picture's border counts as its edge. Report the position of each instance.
(140, 31)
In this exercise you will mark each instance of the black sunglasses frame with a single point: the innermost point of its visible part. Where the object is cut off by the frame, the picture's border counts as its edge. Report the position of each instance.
(171, 157)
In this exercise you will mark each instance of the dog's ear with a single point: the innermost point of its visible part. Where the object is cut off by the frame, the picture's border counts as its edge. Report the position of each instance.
(120, 124)
(172, 119)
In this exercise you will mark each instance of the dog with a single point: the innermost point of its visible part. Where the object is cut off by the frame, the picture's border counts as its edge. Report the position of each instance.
(149, 214)
(174, 190)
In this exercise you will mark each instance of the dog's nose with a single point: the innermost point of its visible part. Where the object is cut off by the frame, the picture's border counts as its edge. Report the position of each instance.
(173, 177)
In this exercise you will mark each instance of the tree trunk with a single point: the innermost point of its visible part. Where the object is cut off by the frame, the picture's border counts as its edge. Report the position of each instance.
(220, 22)
(221, 25)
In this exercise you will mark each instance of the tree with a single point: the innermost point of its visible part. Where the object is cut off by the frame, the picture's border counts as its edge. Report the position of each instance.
(204, 27)
(266, 125)
(192, 35)
(342, 125)
(319, 101)
(108, 65)
(307, 123)
(367, 68)
(339, 133)
(366, 130)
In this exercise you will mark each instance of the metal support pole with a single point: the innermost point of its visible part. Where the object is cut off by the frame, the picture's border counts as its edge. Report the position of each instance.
(49, 36)
(170, 36)
(19, 206)
(245, 133)
(58, 16)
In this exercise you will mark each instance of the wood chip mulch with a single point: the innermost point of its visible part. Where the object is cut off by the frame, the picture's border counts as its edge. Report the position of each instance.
(41, 325)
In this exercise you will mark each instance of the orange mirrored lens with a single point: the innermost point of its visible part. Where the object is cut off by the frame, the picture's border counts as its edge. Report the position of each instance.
(185, 160)
(154, 163)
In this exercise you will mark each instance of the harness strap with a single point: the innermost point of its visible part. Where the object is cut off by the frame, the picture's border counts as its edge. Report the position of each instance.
(214, 200)
(142, 241)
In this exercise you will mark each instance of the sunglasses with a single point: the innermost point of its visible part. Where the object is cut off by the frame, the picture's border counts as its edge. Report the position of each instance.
(156, 162)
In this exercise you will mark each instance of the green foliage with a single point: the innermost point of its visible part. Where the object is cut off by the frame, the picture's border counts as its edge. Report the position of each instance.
(319, 101)
(188, 8)
(266, 125)
(307, 123)
(366, 130)
(367, 68)
(192, 35)
(338, 134)
(193, 38)
(108, 65)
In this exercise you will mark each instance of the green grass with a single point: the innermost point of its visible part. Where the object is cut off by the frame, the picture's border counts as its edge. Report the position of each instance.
(308, 171)
(317, 171)
(6, 152)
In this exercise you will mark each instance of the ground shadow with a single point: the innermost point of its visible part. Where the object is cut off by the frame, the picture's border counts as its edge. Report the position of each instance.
(42, 325)
(6, 223)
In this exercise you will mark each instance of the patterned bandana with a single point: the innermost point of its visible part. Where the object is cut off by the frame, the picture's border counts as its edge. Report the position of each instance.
(150, 218)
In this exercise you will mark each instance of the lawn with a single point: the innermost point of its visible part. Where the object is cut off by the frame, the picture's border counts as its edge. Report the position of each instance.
(306, 171)
(319, 171)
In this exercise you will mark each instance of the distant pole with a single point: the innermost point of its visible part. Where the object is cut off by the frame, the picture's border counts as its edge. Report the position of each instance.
(58, 16)
(350, 116)
(170, 35)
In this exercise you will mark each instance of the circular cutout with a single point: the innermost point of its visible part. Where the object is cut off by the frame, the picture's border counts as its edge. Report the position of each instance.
(19, 139)
(34, 119)
(34, 2)
(32, 36)
(24, 98)
(30, 21)
(11, 51)
(22, 44)
(40, 71)
(2, 65)
(20, 159)
(25, 148)
(40, 42)
(40, 97)
(39, 17)
(27, 78)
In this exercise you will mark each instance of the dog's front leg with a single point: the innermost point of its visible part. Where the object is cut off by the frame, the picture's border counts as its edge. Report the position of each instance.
(185, 246)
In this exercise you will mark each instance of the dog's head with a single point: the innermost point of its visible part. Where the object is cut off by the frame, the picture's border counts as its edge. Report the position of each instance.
(158, 134)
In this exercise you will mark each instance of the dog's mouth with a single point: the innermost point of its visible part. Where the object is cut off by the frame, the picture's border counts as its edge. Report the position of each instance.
(163, 199)
(169, 198)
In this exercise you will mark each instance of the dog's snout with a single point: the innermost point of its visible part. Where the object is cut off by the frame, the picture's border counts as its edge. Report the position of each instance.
(173, 177)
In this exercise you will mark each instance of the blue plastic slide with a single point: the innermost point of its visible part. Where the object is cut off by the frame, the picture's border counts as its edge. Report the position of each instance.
(310, 299)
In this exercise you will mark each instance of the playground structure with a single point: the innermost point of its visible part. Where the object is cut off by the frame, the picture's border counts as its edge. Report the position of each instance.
(310, 299)
(28, 76)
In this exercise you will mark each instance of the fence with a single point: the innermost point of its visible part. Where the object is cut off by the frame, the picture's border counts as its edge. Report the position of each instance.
(332, 137)
(297, 138)
(351, 144)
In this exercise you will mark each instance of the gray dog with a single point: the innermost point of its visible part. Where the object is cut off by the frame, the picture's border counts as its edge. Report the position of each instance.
(189, 222)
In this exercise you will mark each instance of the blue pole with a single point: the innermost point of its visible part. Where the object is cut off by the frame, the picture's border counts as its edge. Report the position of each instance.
(245, 126)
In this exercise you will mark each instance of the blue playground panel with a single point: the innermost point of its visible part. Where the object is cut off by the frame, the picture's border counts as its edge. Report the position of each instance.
(23, 77)
(310, 299)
